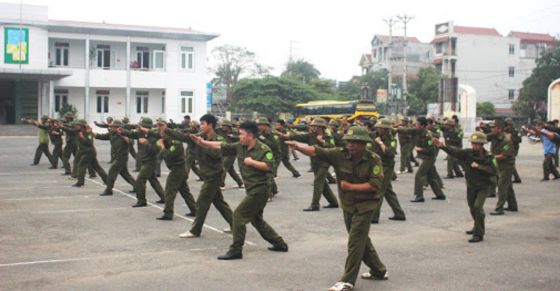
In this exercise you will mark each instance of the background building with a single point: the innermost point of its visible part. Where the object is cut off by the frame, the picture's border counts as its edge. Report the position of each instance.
(102, 69)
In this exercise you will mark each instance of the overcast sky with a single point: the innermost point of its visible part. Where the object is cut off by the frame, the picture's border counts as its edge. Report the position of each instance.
(330, 34)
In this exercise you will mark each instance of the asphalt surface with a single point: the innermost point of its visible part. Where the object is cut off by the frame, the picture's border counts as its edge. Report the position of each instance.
(55, 237)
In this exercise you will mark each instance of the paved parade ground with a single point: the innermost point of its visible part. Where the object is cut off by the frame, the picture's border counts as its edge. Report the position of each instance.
(55, 237)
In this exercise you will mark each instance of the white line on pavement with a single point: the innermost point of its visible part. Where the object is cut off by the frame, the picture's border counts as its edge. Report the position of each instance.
(79, 210)
(46, 197)
(178, 215)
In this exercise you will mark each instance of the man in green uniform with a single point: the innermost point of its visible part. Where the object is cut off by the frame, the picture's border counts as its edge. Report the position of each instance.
(284, 149)
(70, 148)
(320, 138)
(256, 165)
(385, 146)
(87, 154)
(427, 152)
(360, 177)
(43, 148)
(55, 135)
(272, 140)
(406, 145)
(229, 136)
(479, 167)
(174, 157)
(504, 152)
(119, 148)
(516, 138)
(211, 169)
(452, 138)
(148, 153)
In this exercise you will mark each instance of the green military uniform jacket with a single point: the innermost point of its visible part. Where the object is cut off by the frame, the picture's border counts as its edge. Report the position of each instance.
(209, 160)
(502, 145)
(273, 142)
(256, 181)
(387, 157)
(480, 177)
(310, 138)
(173, 152)
(85, 145)
(368, 169)
(119, 146)
(423, 140)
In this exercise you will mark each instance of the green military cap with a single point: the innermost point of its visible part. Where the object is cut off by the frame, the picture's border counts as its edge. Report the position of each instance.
(81, 122)
(357, 133)
(263, 121)
(69, 115)
(318, 122)
(384, 123)
(498, 123)
(146, 122)
(449, 122)
(509, 121)
(116, 123)
(406, 119)
(373, 118)
(160, 121)
(478, 137)
(44, 117)
(227, 122)
(125, 120)
(334, 122)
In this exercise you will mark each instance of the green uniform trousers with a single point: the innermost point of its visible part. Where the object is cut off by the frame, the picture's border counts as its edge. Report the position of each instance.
(190, 164)
(89, 160)
(273, 185)
(476, 196)
(427, 175)
(229, 161)
(210, 193)
(119, 166)
(147, 173)
(57, 155)
(390, 195)
(68, 151)
(43, 148)
(321, 186)
(251, 209)
(289, 166)
(548, 166)
(453, 169)
(406, 150)
(177, 181)
(75, 169)
(505, 187)
(360, 247)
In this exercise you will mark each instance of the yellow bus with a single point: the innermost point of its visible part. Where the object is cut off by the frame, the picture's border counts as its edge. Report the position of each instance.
(329, 109)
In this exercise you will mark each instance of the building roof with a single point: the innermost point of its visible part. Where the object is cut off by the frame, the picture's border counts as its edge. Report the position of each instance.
(530, 37)
(67, 26)
(475, 30)
(366, 60)
(385, 38)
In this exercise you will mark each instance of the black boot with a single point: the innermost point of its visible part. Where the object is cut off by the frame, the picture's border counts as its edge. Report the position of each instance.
(231, 255)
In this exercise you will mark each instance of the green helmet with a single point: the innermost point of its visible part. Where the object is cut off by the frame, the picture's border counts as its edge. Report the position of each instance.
(357, 133)
(384, 123)
(44, 117)
(146, 122)
(406, 119)
(509, 121)
(318, 122)
(125, 120)
(478, 137)
(116, 123)
(227, 122)
(81, 122)
(334, 122)
(68, 115)
(498, 123)
(449, 122)
(263, 121)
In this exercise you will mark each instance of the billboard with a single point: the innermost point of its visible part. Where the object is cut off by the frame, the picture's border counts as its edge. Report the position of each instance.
(16, 45)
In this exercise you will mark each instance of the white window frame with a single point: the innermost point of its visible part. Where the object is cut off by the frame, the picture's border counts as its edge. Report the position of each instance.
(163, 102)
(144, 103)
(102, 50)
(104, 100)
(64, 56)
(511, 72)
(185, 100)
(154, 60)
(511, 49)
(186, 59)
(511, 94)
(60, 99)
(140, 59)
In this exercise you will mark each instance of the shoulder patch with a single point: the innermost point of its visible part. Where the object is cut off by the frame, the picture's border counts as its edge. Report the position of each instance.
(172, 148)
(269, 156)
(393, 143)
(430, 142)
(376, 170)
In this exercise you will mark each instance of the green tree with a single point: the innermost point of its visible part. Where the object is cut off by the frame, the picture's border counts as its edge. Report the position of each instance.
(423, 89)
(485, 109)
(270, 95)
(535, 87)
(352, 89)
(68, 108)
(233, 63)
(301, 71)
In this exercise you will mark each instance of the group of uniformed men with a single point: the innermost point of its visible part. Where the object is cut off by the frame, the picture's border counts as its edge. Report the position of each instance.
(362, 155)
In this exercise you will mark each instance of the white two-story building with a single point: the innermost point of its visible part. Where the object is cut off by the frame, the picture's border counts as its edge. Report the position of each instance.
(102, 69)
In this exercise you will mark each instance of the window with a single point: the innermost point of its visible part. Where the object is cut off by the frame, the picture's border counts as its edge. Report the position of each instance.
(511, 94)
(512, 49)
(102, 101)
(61, 54)
(103, 56)
(143, 57)
(187, 102)
(187, 58)
(439, 48)
(158, 60)
(60, 99)
(142, 102)
(511, 72)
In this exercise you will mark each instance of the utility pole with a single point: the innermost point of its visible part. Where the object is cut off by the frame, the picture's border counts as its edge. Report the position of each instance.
(391, 22)
(405, 19)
